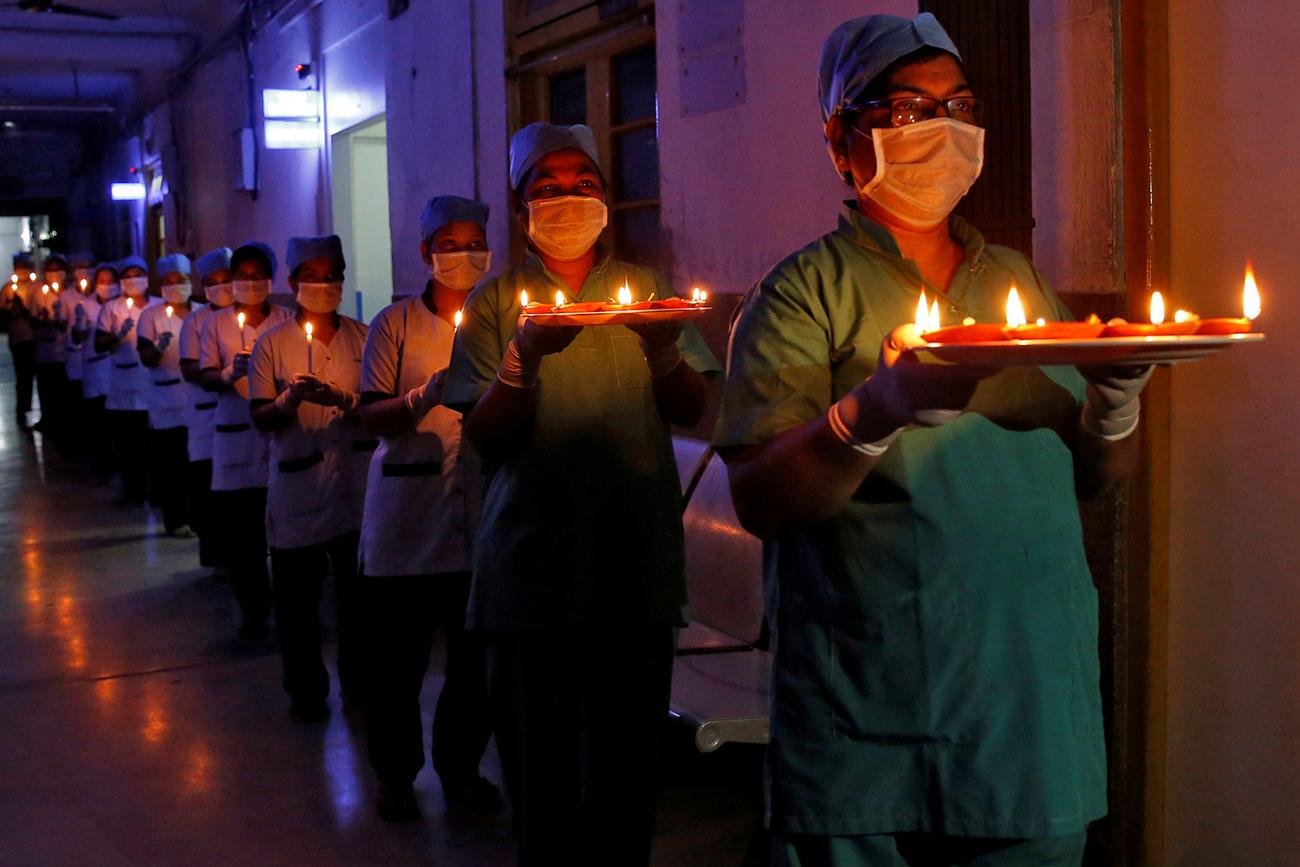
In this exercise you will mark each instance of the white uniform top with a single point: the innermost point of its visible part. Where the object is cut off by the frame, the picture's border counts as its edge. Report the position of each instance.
(128, 379)
(425, 488)
(239, 452)
(200, 404)
(44, 307)
(69, 301)
(167, 397)
(318, 463)
(94, 365)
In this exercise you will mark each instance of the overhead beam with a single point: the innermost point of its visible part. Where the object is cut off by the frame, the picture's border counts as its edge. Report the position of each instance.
(33, 47)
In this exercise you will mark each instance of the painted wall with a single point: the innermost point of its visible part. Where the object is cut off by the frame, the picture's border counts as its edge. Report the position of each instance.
(1234, 678)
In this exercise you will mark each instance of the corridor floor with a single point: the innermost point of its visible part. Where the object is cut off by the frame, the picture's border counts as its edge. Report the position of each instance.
(138, 730)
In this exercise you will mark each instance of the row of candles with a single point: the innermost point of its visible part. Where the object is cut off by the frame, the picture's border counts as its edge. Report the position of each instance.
(1018, 327)
(698, 297)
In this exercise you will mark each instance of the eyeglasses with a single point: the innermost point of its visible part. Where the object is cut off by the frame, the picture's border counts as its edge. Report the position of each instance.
(914, 109)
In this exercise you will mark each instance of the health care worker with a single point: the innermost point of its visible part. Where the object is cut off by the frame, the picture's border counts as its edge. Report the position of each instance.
(160, 352)
(213, 271)
(95, 368)
(935, 690)
(71, 314)
(14, 299)
(578, 562)
(304, 394)
(422, 503)
(51, 378)
(128, 379)
(239, 452)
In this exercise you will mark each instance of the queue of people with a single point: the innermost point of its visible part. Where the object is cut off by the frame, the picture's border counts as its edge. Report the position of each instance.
(935, 688)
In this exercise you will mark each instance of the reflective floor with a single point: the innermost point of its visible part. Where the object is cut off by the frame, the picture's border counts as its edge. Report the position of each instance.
(136, 729)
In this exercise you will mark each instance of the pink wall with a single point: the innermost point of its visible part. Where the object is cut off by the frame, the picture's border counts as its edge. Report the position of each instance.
(744, 186)
(1234, 680)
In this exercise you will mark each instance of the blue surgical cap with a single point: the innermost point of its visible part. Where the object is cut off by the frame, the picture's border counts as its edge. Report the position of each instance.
(857, 52)
(110, 267)
(304, 249)
(537, 140)
(55, 259)
(442, 210)
(133, 262)
(254, 250)
(177, 263)
(217, 260)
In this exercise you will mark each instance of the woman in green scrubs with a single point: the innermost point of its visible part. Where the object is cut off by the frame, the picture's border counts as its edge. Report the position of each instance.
(935, 692)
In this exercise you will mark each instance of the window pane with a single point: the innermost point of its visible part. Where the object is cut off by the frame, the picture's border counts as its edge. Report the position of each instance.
(634, 83)
(569, 97)
(638, 165)
(636, 235)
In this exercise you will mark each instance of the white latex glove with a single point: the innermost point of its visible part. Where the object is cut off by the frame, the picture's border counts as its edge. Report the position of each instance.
(530, 344)
(1113, 404)
(423, 398)
(325, 393)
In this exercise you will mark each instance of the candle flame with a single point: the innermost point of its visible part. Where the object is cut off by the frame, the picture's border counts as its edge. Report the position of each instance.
(559, 298)
(1015, 310)
(45, 290)
(169, 311)
(1157, 308)
(1040, 322)
(625, 295)
(130, 302)
(933, 324)
(1251, 305)
(704, 296)
(1184, 316)
(523, 298)
(455, 320)
(55, 286)
(922, 312)
(13, 278)
(969, 320)
(31, 278)
(84, 283)
(309, 329)
(240, 319)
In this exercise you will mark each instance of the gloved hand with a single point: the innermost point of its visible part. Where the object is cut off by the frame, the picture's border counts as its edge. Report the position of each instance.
(164, 341)
(659, 345)
(1113, 405)
(904, 391)
(292, 397)
(237, 369)
(325, 393)
(531, 343)
(423, 398)
(125, 328)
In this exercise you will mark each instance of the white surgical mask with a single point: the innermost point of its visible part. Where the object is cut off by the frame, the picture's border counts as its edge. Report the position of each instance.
(135, 285)
(320, 297)
(177, 293)
(566, 227)
(107, 291)
(923, 169)
(220, 295)
(251, 291)
(461, 270)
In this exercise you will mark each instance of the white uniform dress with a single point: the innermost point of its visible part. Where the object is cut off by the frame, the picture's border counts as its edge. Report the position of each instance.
(425, 488)
(128, 379)
(200, 404)
(94, 365)
(69, 301)
(239, 452)
(318, 464)
(167, 397)
(44, 307)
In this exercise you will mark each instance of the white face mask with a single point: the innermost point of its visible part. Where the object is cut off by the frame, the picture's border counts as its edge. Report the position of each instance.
(923, 169)
(251, 292)
(566, 227)
(107, 291)
(461, 270)
(177, 293)
(135, 285)
(220, 294)
(320, 297)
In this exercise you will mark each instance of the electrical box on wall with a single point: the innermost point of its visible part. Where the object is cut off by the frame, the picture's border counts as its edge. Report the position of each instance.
(246, 170)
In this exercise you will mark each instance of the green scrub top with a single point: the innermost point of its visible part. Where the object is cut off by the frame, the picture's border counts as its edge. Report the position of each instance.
(936, 661)
(587, 521)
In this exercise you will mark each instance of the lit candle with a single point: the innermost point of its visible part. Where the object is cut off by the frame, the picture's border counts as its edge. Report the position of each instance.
(1157, 308)
(625, 295)
(84, 283)
(55, 286)
(130, 302)
(455, 321)
(31, 278)
(243, 342)
(1251, 307)
(523, 298)
(13, 278)
(169, 311)
(1015, 310)
(1184, 316)
(559, 298)
(308, 328)
(45, 290)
